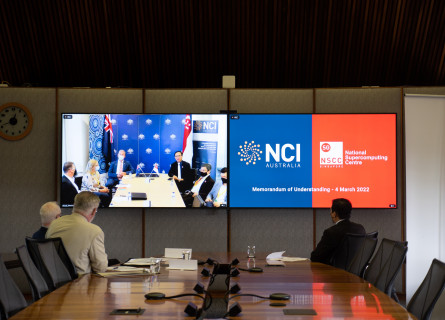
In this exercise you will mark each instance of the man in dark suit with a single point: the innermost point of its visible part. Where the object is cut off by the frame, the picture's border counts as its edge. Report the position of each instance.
(332, 237)
(118, 169)
(181, 172)
(69, 186)
(202, 186)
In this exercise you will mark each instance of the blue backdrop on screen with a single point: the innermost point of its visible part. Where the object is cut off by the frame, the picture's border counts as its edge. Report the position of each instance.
(148, 139)
(269, 156)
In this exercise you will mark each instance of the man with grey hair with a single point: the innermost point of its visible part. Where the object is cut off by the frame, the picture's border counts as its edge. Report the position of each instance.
(83, 240)
(49, 212)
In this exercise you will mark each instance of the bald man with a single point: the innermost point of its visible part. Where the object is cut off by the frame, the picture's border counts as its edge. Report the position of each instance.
(49, 212)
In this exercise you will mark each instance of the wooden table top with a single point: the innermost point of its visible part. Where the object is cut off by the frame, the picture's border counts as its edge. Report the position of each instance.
(331, 292)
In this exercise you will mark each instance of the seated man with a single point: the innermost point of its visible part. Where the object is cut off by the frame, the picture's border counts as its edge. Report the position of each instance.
(181, 172)
(49, 212)
(332, 237)
(202, 186)
(83, 240)
(118, 169)
(218, 195)
(69, 186)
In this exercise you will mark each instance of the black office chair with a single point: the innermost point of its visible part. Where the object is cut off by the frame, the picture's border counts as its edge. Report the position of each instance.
(424, 299)
(347, 249)
(48, 262)
(11, 299)
(386, 265)
(36, 281)
(360, 261)
(56, 269)
(60, 248)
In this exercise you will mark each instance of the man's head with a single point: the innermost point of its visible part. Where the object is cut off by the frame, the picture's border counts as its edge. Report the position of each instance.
(69, 169)
(224, 175)
(49, 212)
(121, 155)
(205, 169)
(341, 209)
(178, 156)
(86, 204)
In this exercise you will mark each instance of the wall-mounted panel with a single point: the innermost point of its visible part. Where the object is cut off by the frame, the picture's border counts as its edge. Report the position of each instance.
(185, 101)
(202, 229)
(271, 100)
(28, 167)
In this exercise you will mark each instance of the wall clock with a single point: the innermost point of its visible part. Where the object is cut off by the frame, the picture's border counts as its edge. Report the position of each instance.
(15, 121)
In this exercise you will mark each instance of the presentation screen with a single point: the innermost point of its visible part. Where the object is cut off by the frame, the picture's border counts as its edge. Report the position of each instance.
(126, 159)
(306, 160)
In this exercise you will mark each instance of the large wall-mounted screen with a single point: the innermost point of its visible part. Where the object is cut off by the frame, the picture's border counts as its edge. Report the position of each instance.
(306, 160)
(131, 160)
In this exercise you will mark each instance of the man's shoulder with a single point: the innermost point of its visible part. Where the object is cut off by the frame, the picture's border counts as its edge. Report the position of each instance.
(351, 227)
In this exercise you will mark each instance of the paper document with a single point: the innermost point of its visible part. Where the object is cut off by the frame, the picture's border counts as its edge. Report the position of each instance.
(279, 256)
(140, 262)
(275, 255)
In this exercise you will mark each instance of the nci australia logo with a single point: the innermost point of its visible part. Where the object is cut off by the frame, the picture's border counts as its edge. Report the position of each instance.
(276, 156)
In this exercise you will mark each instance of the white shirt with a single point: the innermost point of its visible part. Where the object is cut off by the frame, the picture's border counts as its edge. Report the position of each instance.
(221, 196)
(179, 170)
(198, 184)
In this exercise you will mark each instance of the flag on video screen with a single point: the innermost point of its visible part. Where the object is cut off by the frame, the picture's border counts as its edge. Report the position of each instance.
(187, 148)
(108, 140)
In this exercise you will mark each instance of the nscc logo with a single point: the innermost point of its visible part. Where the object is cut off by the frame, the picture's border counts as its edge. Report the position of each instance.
(331, 154)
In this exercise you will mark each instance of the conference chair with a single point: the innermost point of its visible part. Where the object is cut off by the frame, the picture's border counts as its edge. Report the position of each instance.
(60, 248)
(38, 285)
(360, 261)
(48, 262)
(11, 299)
(386, 265)
(424, 299)
(347, 249)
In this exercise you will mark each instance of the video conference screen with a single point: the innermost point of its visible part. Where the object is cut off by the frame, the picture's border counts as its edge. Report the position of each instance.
(306, 160)
(130, 160)
(270, 160)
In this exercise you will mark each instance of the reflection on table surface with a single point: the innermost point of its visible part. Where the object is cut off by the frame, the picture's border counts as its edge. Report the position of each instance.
(331, 292)
(160, 192)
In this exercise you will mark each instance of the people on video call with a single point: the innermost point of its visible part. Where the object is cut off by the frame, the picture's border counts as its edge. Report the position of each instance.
(181, 172)
(218, 195)
(201, 186)
(69, 186)
(118, 169)
(91, 182)
(332, 237)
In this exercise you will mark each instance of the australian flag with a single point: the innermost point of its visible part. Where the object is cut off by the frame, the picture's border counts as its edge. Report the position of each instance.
(107, 145)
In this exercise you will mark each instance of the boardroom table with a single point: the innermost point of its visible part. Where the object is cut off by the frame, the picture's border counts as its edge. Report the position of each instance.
(332, 293)
(160, 191)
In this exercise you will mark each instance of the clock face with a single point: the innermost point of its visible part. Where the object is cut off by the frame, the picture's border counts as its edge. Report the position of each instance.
(15, 121)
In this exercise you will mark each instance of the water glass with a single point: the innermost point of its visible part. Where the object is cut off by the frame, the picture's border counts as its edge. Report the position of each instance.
(186, 254)
(251, 251)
